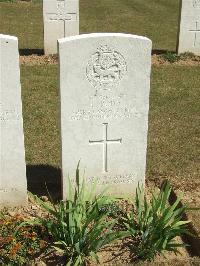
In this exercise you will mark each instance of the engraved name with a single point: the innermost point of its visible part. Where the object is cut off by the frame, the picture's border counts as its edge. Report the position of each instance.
(116, 179)
(7, 190)
(106, 107)
(83, 114)
(63, 17)
(9, 115)
(61, 13)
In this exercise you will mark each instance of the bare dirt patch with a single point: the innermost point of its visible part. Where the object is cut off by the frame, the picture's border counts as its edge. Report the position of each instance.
(120, 254)
(157, 60)
(38, 60)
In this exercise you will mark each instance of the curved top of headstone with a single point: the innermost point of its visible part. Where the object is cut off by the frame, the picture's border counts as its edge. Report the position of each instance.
(2, 36)
(98, 35)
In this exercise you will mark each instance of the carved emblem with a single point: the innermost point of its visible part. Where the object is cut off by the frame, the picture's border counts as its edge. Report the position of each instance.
(196, 3)
(105, 68)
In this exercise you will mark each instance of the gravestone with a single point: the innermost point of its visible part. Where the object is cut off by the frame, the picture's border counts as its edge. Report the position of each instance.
(104, 90)
(61, 19)
(13, 187)
(189, 32)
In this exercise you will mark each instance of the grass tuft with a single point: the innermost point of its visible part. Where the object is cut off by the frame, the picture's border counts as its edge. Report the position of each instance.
(79, 226)
(154, 225)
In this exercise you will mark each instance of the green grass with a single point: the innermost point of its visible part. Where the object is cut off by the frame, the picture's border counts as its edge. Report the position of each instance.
(40, 110)
(24, 20)
(173, 119)
(155, 19)
(173, 122)
(173, 150)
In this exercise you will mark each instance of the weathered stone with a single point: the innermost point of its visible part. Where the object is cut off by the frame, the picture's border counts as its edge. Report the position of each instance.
(189, 32)
(13, 187)
(61, 19)
(104, 90)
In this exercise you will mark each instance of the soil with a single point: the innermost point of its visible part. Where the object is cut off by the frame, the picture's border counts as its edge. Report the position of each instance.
(157, 60)
(115, 254)
(38, 60)
(191, 192)
(119, 254)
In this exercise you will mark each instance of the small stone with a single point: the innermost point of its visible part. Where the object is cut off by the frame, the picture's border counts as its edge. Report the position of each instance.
(40, 263)
(33, 207)
(11, 213)
(44, 198)
(31, 199)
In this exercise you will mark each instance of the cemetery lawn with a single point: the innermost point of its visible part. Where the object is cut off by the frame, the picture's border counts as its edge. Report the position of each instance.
(157, 20)
(173, 127)
(24, 20)
(173, 140)
(173, 149)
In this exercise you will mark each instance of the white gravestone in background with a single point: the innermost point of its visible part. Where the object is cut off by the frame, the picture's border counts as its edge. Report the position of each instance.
(189, 32)
(13, 186)
(104, 90)
(61, 19)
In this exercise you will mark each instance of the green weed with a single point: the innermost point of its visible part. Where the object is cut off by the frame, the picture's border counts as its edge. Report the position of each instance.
(154, 225)
(80, 226)
(170, 57)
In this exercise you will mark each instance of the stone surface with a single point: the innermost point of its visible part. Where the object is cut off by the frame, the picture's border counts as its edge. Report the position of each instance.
(61, 19)
(189, 32)
(13, 187)
(104, 89)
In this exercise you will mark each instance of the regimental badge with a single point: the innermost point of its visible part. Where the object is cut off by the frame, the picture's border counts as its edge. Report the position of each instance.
(105, 68)
(196, 3)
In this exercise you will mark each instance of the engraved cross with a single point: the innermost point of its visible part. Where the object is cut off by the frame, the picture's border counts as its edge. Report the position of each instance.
(105, 141)
(195, 31)
(62, 15)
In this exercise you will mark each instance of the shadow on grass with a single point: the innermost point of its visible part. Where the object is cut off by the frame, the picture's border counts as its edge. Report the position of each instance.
(31, 51)
(41, 176)
(159, 52)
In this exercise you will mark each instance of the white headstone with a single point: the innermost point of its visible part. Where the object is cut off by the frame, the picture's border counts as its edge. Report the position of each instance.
(104, 90)
(13, 186)
(189, 32)
(61, 19)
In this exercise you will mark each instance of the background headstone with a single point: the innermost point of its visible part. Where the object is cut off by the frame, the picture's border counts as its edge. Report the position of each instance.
(13, 185)
(104, 90)
(189, 32)
(61, 19)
